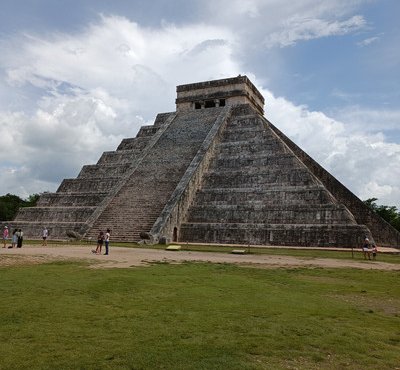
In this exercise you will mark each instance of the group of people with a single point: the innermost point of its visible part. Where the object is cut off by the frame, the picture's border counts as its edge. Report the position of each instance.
(103, 238)
(17, 238)
(369, 249)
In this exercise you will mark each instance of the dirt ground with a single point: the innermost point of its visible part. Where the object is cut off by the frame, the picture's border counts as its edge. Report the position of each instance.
(130, 257)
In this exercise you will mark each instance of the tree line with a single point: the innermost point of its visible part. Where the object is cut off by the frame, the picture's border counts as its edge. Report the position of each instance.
(10, 204)
(389, 213)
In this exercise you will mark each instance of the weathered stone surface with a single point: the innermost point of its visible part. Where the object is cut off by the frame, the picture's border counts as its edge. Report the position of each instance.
(73, 235)
(233, 91)
(215, 171)
(140, 201)
(273, 234)
(96, 171)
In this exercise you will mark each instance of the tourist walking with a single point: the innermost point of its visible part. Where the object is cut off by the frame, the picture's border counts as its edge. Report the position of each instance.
(45, 234)
(107, 240)
(5, 236)
(20, 238)
(100, 241)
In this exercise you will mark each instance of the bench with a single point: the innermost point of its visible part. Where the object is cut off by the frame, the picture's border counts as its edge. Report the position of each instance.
(173, 248)
(238, 251)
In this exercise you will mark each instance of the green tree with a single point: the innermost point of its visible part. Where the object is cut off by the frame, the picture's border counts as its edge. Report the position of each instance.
(389, 213)
(10, 204)
(31, 200)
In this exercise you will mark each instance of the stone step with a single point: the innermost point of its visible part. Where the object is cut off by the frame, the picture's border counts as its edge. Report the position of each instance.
(119, 157)
(237, 179)
(118, 234)
(255, 135)
(251, 167)
(313, 235)
(147, 131)
(262, 159)
(162, 118)
(246, 122)
(101, 185)
(76, 199)
(289, 195)
(55, 214)
(139, 219)
(323, 214)
(243, 110)
(250, 146)
(138, 143)
(241, 129)
(105, 170)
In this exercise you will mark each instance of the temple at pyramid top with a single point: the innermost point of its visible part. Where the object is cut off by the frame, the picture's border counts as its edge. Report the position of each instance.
(219, 93)
(213, 171)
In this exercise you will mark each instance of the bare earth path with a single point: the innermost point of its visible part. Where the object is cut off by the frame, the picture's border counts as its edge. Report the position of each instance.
(129, 257)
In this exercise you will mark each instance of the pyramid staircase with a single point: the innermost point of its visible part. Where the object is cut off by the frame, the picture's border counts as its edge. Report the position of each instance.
(65, 212)
(137, 205)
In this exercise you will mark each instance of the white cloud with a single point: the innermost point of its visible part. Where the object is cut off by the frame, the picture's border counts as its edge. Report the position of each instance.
(277, 22)
(299, 29)
(94, 88)
(368, 41)
(370, 120)
(122, 58)
(364, 162)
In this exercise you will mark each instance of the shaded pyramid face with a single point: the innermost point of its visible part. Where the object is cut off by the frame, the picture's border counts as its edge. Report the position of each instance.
(256, 191)
(214, 171)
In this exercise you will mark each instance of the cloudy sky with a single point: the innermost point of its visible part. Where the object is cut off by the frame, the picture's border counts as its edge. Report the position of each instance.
(77, 76)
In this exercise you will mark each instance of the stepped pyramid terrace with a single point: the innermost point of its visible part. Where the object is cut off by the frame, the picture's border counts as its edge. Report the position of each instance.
(214, 171)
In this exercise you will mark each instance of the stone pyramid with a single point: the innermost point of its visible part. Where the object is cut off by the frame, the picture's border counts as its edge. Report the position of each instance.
(214, 171)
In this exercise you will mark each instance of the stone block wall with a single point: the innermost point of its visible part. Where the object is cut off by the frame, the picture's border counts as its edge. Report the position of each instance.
(383, 233)
(272, 234)
(256, 191)
(235, 91)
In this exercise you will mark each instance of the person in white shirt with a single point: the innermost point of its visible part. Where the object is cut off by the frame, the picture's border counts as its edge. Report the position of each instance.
(45, 234)
(107, 240)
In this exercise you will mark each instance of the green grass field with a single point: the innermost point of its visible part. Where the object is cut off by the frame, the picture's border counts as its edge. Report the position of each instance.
(197, 316)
